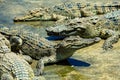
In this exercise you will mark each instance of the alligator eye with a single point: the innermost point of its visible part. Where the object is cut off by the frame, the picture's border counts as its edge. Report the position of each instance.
(91, 19)
(49, 60)
(78, 29)
(96, 18)
(79, 22)
(3, 38)
(72, 24)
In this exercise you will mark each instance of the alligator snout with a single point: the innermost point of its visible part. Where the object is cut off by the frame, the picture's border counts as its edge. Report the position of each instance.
(97, 39)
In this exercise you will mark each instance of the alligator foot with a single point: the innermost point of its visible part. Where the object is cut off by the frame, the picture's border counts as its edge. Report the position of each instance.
(113, 38)
(6, 76)
(107, 46)
(40, 67)
(108, 43)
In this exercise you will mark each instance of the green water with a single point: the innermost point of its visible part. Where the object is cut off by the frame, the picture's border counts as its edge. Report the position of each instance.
(101, 67)
(11, 8)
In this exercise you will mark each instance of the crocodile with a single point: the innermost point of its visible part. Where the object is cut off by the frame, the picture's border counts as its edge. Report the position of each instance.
(68, 10)
(105, 26)
(12, 66)
(50, 52)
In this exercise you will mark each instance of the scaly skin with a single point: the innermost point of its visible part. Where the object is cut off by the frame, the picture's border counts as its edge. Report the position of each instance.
(58, 52)
(50, 52)
(67, 11)
(13, 67)
(104, 26)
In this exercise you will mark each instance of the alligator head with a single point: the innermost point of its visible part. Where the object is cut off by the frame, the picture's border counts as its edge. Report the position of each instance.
(51, 52)
(65, 29)
(81, 27)
(69, 45)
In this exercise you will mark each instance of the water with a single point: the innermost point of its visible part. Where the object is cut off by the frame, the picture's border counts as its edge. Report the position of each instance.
(11, 8)
(95, 65)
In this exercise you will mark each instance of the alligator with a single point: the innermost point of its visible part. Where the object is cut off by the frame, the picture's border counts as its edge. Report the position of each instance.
(51, 52)
(68, 10)
(105, 26)
(15, 67)
(12, 66)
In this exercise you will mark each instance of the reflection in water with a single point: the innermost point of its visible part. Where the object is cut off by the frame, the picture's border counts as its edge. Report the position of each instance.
(36, 23)
(79, 63)
(37, 27)
(11, 8)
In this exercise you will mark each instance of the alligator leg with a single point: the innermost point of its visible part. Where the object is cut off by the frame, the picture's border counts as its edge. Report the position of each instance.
(39, 67)
(113, 37)
(27, 58)
(6, 76)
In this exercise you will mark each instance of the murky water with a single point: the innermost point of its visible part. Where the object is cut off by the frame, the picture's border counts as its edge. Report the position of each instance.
(98, 65)
(11, 8)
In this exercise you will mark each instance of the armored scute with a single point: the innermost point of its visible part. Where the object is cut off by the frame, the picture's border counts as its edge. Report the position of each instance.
(104, 26)
(67, 11)
(50, 52)
(13, 67)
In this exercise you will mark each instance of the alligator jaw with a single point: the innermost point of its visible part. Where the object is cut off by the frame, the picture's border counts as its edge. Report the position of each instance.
(65, 30)
(32, 18)
(69, 45)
